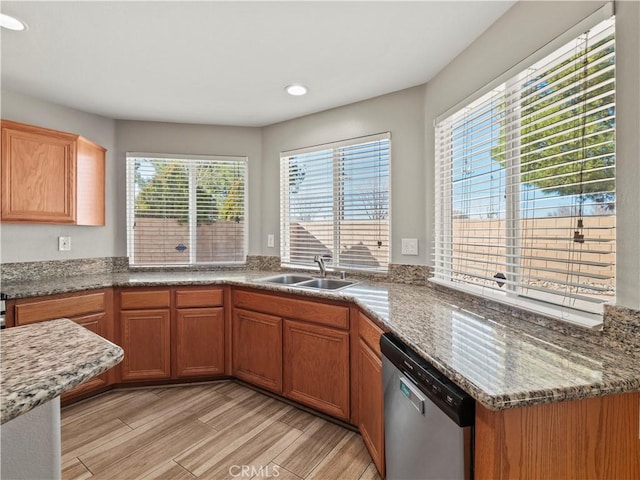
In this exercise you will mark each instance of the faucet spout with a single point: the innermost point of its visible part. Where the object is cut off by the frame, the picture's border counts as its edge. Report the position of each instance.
(320, 261)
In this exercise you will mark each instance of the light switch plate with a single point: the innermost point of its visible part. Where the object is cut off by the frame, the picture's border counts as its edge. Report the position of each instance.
(409, 246)
(64, 244)
(271, 240)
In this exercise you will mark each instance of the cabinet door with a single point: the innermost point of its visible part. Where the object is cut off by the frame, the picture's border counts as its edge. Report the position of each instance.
(257, 349)
(316, 367)
(199, 341)
(370, 403)
(38, 175)
(97, 324)
(146, 341)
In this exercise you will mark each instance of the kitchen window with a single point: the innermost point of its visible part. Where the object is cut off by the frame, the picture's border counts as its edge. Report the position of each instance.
(186, 209)
(525, 183)
(334, 203)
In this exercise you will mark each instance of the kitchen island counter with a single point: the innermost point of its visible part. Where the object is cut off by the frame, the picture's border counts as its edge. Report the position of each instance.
(43, 360)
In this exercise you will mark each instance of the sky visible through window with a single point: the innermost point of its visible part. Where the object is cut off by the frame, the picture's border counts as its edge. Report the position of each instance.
(364, 196)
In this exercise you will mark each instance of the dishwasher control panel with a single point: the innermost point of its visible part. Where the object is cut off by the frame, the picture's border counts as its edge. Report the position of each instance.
(454, 401)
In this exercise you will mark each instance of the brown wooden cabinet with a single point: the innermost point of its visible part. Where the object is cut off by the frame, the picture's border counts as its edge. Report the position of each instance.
(369, 390)
(316, 367)
(172, 333)
(595, 438)
(145, 334)
(93, 310)
(257, 349)
(33, 310)
(146, 340)
(51, 177)
(98, 323)
(294, 346)
(199, 339)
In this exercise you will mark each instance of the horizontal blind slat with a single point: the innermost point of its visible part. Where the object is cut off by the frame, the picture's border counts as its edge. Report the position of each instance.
(186, 209)
(335, 203)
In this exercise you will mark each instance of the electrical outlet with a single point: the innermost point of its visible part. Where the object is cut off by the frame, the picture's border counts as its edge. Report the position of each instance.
(409, 246)
(271, 240)
(64, 244)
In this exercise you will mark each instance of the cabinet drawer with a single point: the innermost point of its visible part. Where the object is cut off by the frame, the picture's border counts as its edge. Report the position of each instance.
(370, 333)
(322, 313)
(39, 310)
(199, 298)
(145, 299)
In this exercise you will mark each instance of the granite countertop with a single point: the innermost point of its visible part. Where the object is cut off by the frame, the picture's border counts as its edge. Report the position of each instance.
(502, 363)
(43, 360)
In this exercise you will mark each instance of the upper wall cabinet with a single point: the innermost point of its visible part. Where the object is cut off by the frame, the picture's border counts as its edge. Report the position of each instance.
(51, 177)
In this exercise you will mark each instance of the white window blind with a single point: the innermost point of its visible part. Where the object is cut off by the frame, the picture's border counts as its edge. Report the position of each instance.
(186, 209)
(335, 203)
(525, 185)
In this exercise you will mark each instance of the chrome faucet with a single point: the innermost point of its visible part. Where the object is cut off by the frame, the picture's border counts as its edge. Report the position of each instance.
(320, 261)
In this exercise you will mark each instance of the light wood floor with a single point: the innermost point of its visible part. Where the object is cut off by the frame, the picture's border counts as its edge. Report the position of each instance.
(205, 431)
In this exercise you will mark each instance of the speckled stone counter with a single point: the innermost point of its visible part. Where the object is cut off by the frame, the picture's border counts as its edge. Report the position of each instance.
(501, 361)
(41, 361)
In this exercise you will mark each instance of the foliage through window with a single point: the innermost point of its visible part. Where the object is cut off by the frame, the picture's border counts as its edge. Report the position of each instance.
(525, 184)
(186, 210)
(335, 203)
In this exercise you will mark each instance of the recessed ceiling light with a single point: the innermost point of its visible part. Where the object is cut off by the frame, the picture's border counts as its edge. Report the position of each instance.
(11, 23)
(296, 90)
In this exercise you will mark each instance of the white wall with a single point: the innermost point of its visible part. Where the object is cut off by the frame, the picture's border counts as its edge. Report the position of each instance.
(399, 113)
(22, 243)
(156, 137)
(628, 153)
(525, 28)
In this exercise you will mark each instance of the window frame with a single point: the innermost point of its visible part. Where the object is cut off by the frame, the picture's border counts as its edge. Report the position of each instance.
(336, 148)
(130, 158)
(444, 206)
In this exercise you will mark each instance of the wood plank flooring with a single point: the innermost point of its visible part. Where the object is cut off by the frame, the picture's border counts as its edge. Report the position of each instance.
(220, 430)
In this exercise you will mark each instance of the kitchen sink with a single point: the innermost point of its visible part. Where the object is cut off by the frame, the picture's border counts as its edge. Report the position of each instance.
(326, 283)
(286, 279)
(308, 282)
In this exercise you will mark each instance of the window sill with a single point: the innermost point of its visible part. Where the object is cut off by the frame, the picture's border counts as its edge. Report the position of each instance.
(591, 321)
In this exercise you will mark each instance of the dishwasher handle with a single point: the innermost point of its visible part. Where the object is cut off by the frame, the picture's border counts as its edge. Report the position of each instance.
(411, 392)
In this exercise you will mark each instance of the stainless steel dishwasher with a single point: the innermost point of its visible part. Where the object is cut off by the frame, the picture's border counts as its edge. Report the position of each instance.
(428, 420)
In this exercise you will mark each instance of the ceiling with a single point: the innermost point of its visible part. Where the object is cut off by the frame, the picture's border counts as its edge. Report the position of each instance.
(227, 63)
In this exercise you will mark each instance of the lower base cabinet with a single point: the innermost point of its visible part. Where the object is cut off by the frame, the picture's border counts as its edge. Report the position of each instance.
(146, 340)
(316, 367)
(97, 323)
(369, 390)
(257, 349)
(169, 333)
(594, 438)
(199, 342)
(370, 404)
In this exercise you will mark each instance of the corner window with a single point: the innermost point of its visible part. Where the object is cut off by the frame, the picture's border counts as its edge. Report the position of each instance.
(335, 203)
(186, 210)
(525, 185)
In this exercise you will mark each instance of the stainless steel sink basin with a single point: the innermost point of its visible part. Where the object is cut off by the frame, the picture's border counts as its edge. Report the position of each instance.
(326, 283)
(286, 279)
(303, 281)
